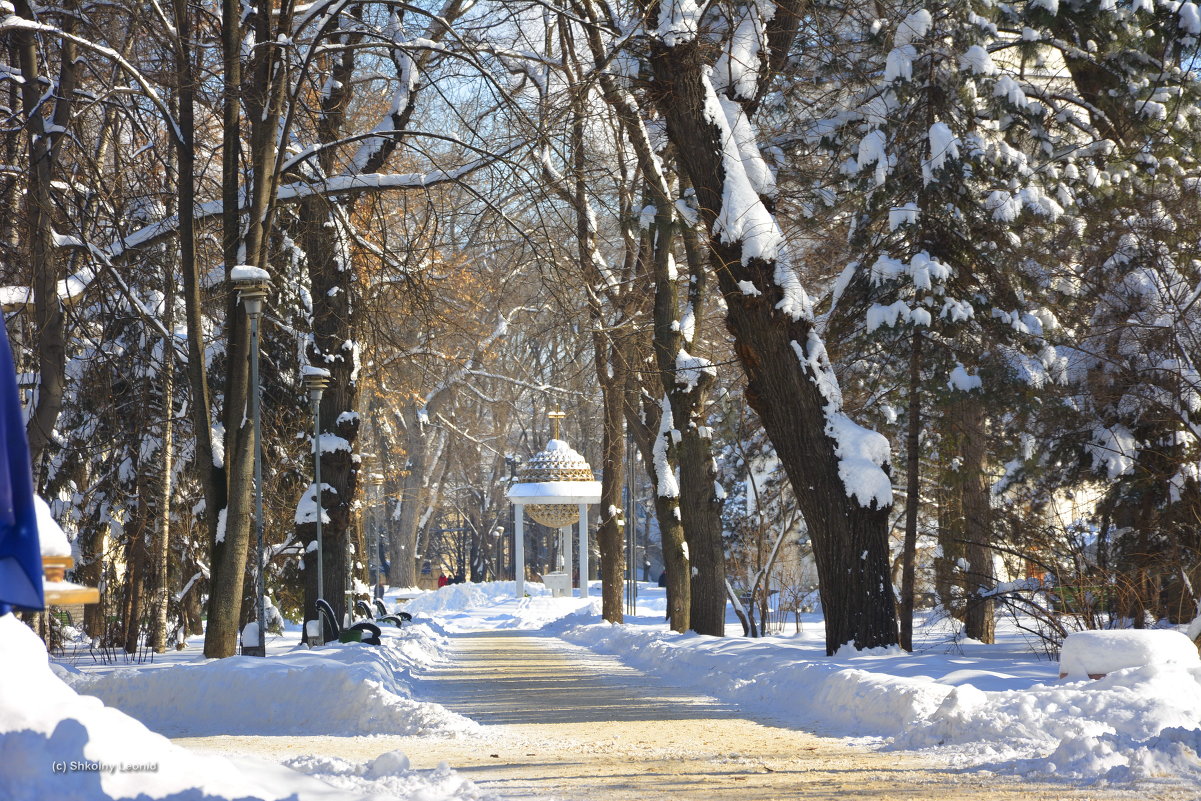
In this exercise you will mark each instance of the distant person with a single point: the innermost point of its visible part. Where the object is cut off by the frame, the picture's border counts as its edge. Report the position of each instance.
(663, 579)
(443, 580)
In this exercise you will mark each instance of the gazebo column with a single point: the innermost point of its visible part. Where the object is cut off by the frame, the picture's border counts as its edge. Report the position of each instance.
(568, 560)
(583, 550)
(519, 547)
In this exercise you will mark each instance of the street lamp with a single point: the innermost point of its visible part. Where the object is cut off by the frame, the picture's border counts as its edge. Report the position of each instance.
(316, 379)
(514, 463)
(374, 514)
(252, 284)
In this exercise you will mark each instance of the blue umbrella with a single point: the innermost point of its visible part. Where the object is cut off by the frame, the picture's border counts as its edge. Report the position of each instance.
(20, 552)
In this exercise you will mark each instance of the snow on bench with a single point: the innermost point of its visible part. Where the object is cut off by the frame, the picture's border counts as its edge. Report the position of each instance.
(1097, 653)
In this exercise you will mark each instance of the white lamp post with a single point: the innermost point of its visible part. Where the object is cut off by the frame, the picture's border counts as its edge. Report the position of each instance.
(253, 284)
(316, 379)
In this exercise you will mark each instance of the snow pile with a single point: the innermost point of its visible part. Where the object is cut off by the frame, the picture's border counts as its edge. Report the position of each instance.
(1136, 723)
(1096, 653)
(388, 776)
(333, 690)
(774, 678)
(57, 744)
(493, 606)
(863, 455)
(457, 597)
(678, 20)
(248, 272)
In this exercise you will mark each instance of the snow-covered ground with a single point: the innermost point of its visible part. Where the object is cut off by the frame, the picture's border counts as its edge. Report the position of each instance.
(997, 708)
(341, 690)
(59, 740)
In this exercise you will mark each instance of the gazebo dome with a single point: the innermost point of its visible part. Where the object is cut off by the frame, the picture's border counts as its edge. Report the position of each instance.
(557, 462)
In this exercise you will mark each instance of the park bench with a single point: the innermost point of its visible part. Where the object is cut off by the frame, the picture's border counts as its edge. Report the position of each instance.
(381, 613)
(363, 631)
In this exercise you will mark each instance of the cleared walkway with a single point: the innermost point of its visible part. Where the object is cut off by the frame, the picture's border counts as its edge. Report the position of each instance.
(564, 723)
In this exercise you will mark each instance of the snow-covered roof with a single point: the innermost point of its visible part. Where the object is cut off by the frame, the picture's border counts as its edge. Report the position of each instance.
(556, 492)
(248, 272)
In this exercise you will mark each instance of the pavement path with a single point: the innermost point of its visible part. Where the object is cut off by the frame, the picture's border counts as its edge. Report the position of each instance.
(561, 722)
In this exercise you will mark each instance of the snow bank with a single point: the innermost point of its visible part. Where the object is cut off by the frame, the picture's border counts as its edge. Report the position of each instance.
(388, 777)
(57, 744)
(773, 678)
(1136, 723)
(493, 606)
(1129, 725)
(333, 690)
(459, 597)
(1096, 653)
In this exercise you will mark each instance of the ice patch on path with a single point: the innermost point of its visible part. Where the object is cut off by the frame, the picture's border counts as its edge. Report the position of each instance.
(347, 689)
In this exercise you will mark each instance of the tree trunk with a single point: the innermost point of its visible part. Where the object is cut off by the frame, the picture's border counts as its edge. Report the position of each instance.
(232, 545)
(610, 532)
(676, 563)
(135, 580)
(162, 535)
(643, 420)
(979, 622)
(790, 383)
(331, 279)
(210, 474)
(700, 503)
(912, 492)
(50, 331)
(231, 525)
(414, 490)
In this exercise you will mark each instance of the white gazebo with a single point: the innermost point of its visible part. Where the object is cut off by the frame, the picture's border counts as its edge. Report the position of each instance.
(555, 486)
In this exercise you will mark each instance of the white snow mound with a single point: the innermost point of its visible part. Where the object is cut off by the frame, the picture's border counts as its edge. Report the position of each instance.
(1086, 653)
(55, 743)
(341, 690)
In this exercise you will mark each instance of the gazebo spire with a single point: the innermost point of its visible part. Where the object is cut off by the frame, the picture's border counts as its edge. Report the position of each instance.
(555, 417)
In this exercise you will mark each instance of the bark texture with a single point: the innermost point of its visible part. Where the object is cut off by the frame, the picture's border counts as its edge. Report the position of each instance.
(777, 354)
(49, 328)
(912, 491)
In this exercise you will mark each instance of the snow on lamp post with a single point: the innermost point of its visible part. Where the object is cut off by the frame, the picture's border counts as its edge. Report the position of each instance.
(316, 379)
(253, 284)
(555, 485)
